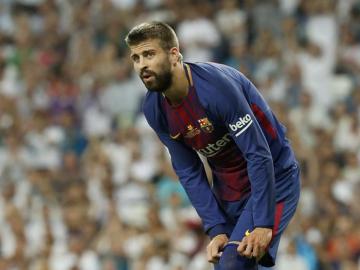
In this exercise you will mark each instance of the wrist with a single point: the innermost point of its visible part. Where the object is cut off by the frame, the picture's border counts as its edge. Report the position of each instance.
(217, 230)
(221, 236)
(264, 226)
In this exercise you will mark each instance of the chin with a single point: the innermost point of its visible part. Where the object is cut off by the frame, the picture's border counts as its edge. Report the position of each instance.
(153, 88)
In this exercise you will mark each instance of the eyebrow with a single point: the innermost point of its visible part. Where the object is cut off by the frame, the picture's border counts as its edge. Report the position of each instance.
(144, 51)
(133, 55)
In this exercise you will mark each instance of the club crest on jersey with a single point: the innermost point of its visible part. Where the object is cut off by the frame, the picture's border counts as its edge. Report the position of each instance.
(191, 131)
(206, 125)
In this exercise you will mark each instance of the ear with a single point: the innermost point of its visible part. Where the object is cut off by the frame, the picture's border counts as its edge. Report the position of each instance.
(174, 55)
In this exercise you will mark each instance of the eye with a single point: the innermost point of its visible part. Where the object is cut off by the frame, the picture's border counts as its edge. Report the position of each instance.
(135, 58)
(149, 54)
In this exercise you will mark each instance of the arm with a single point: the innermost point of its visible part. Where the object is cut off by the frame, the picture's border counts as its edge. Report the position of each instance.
(234, 110)
(191, 173)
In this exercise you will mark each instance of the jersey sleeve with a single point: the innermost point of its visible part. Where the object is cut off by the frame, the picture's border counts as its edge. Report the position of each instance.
(192, 176)
(234, 110)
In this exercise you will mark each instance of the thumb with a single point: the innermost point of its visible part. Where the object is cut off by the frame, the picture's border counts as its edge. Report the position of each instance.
(216, 245)
(215, 248)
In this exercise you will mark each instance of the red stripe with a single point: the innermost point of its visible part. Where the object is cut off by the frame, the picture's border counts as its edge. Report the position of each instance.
(189, 104)
(261, 117)
(193, 98)
(189, 107)
(278, 213)
(183, 115)
(172, 116)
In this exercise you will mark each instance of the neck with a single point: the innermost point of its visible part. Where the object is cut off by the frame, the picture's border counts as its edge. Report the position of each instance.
(180, 85)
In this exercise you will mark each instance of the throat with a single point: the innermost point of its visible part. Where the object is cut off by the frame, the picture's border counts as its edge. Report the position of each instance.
(180, 88)
(176, 98)
(177, 95)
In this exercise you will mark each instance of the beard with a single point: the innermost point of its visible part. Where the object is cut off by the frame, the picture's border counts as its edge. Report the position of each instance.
(159, 81)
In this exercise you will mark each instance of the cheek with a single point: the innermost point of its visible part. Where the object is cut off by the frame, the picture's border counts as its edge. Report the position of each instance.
(136, 68)
(165, 65)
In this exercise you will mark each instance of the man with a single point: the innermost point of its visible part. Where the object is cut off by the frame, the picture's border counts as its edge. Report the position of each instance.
(215, 111)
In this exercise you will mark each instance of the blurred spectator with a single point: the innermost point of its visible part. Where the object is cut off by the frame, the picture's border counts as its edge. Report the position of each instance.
(291, 257)
(85, 184)
(197, 33)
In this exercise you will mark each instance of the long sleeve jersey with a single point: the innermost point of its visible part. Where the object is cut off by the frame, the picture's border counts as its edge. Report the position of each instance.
(225, 119)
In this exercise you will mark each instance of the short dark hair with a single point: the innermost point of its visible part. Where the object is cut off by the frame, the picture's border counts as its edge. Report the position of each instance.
(153, 30)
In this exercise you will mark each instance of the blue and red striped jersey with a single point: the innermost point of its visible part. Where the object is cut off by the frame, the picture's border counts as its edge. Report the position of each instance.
(225, 119)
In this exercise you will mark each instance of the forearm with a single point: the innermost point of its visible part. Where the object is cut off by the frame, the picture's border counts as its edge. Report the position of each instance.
(261, 174)
(202, 198)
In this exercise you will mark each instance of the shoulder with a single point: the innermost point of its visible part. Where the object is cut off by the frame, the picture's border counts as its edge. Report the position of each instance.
(216, 83)
(153, 111)
(216, 72)
(149, 103)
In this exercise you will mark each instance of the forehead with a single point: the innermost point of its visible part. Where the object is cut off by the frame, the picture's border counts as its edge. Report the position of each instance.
(150, 44)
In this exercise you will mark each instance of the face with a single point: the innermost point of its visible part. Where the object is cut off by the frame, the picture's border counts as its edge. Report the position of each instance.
(153, 64)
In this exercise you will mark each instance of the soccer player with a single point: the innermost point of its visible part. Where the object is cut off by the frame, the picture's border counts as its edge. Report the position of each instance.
(213, 110)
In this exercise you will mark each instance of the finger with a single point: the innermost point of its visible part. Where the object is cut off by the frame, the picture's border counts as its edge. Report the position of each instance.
(248, 250)
(213, 259)
(262, 248)
(242, 246)
(214, 250)
(261, 254)
(209, 251)
(255, 251)
(214, 253)
(216, 258)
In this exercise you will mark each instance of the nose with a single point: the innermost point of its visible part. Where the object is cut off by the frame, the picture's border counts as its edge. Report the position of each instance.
(143, 64)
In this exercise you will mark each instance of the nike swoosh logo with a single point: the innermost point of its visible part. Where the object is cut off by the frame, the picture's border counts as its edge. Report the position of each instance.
(174, 137)
(247, 233)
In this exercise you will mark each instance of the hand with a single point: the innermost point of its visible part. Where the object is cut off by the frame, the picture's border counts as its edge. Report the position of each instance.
(254, 244)
(215, 246)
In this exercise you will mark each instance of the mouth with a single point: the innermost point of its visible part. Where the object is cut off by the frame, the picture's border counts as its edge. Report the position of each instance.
(147, 77)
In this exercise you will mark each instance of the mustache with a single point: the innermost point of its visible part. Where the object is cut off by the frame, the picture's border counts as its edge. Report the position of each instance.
(146, 72)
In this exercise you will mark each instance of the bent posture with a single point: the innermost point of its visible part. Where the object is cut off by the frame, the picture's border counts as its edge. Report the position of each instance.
(213, 110)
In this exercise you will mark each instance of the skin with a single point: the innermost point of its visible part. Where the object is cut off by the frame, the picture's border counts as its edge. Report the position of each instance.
(153, 64)
(251, 246)
(162, 71)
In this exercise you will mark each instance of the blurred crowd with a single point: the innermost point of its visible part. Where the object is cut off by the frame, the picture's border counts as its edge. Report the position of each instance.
(85, 184)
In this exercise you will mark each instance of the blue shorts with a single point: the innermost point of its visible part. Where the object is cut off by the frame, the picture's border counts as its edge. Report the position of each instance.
(285, 210)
